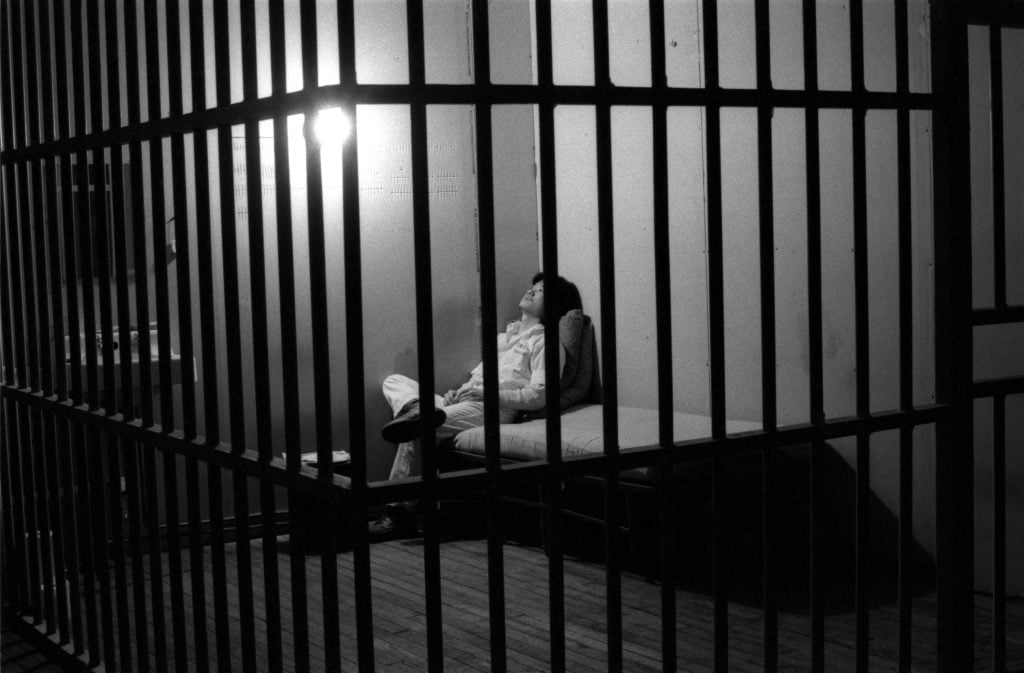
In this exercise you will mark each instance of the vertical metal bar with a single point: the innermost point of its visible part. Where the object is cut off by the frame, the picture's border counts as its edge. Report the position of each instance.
(158, 217)
(663, 304)
(716, 311)
(862, 339)
(319, 326)
(27, 122)
(906, 347)
(814, 327)
(318, 273)
(261, 356)
(19, 528)
(79, 450)
(85, 216)
(27, 444)
(12, 528)
(100, 544)
(115, 525)
(609, 367)
(999, 534)
(488, 345)
(143, 394)
(38, 284)
(118, 231)
(148, 490)
(182, 250)
(87, 554)
(289, 341)
(357, 504)
(208, 350)
(995, 49)
(257, 266)
(7, 188)
(769, 382)
(169, 486)
(99, 256)
(66, 479)
(232, 311)
(141, 404)
(229, 242)
(100, 228)
(15, 124)
(954, 508)
(143, 472)
(425, 335)
(23, 341)
(50, 129)
(37, 227)
(204, 229)
(218, 559)
(549, 257)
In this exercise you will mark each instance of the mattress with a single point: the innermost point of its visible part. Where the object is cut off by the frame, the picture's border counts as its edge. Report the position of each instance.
(582, 432)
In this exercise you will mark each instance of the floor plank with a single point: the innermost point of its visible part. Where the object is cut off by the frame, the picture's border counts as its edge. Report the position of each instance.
(400, 621)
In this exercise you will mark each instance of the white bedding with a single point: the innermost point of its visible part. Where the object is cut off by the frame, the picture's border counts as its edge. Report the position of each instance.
(582, 432)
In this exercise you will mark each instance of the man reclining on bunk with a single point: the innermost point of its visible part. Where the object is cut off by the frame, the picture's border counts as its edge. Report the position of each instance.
(521, 388)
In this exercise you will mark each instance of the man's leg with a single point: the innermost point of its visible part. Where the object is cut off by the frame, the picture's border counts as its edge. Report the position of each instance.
(403, 394)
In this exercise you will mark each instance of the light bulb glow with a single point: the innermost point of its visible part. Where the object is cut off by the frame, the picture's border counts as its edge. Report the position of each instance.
(331, 127)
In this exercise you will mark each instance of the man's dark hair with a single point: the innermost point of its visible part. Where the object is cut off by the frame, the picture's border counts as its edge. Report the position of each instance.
(568, 293)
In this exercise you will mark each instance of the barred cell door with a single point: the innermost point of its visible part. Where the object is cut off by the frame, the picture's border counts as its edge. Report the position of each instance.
(767, 207)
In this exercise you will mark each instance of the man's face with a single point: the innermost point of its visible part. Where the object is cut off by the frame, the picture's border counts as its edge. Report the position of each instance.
(533, 301)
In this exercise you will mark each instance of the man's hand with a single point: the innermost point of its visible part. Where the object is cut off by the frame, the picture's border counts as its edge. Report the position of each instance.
(465, 393)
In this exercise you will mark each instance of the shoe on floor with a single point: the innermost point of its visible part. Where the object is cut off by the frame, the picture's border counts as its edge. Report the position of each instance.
(396, 523)
(406, 426)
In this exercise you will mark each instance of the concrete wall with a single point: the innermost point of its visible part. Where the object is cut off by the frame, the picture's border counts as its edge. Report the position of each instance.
(631, 130)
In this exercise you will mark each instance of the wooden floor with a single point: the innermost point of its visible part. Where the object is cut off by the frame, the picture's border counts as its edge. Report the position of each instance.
(400, 625)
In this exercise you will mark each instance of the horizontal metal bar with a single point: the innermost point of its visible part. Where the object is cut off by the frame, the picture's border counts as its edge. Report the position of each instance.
(995, 387)
(467, 94)
(1008, 13)
(334, 489)
(997, 316)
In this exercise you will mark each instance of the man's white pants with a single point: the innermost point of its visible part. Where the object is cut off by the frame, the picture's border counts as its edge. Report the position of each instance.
(399, 390)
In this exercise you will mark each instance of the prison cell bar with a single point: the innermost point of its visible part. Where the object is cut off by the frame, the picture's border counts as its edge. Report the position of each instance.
(1001, 313)
(663, 304)
(954, 507)
(358, 512)
(93, 386)
(321, 353)
(769, 379)
(38, 322)
(862, 346)
(716, 323)
(73, 380)
(553, 522)
(814, 327)
(208, 352)
(52, 434)
(115, 447)
(609, 368)
(82, 245)
(488, 346)
(100, 253)
(906, 344)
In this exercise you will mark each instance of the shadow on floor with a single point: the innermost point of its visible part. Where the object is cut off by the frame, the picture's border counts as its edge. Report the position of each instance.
(741, 536)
